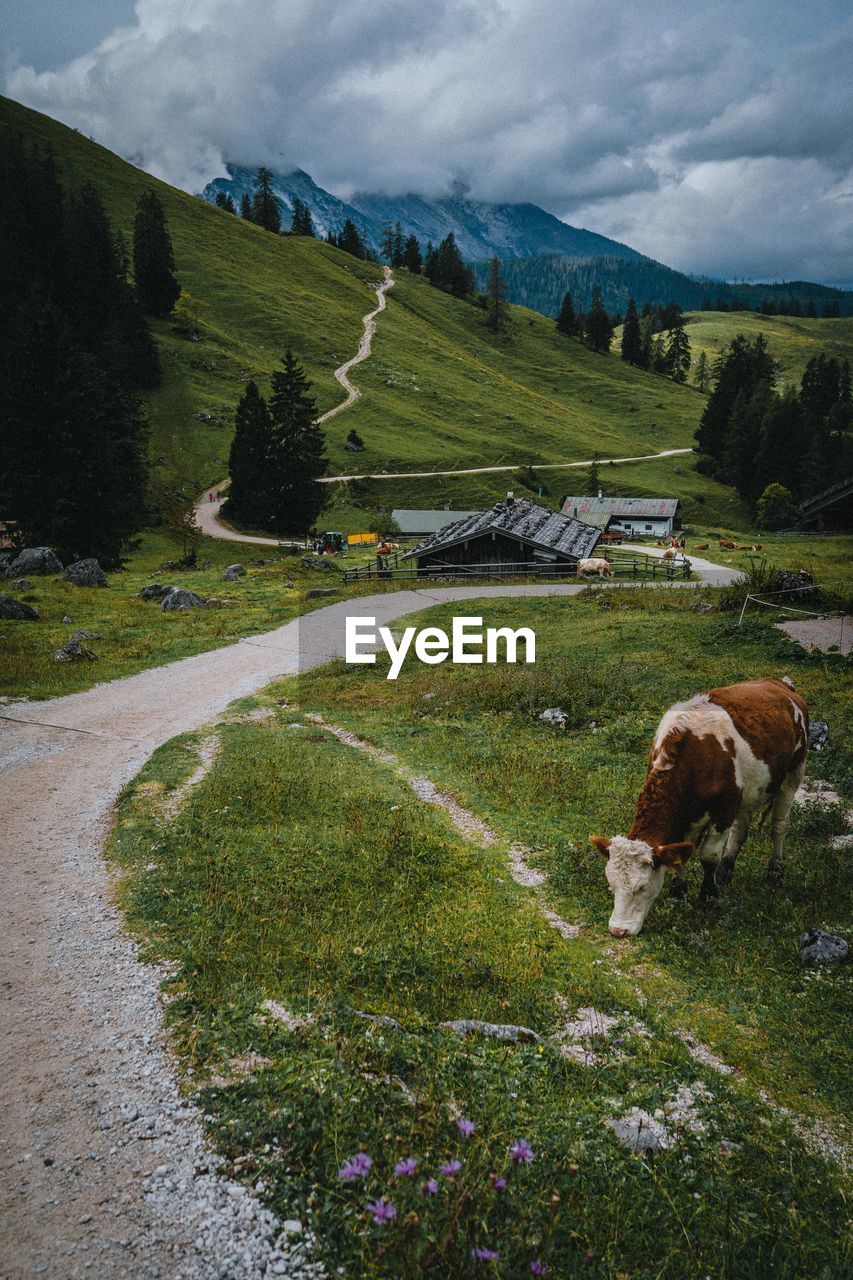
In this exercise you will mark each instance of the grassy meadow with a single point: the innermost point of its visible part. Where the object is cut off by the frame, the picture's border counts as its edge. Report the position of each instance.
(304, 872)
(793, 340)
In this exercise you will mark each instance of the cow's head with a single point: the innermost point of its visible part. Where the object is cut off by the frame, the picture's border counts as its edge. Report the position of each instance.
(635, 872)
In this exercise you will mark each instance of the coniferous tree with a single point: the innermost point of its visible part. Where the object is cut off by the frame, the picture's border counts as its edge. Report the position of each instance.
(297, 458)
(632, 340)
(678, 353)
(153, 260)
(412, 255)
(702, 376)
(779, 457)
(497, 311)
(398, 245)
(265, 208)
(429, 261)
(350, 241)
(250, 498)
(301, 224)
(246, 207)
(598, 325)
(567, 321)
(446, 269)
(224, 201)
(386, 245)
(741, 366)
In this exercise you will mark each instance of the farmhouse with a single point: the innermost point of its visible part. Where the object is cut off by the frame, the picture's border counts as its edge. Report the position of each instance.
(651, 516)
(513, 534)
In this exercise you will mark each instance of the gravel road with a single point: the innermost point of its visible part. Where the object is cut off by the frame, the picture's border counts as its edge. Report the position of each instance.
(104, 1168)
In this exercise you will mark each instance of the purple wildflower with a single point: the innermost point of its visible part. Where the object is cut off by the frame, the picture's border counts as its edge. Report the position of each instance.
(521, 1151)
(538, 1268)
(358, 1167)
(499, 1184)
(465, 1127)
(382, 1210)
(431, 1187)
(406, 1168)
(450, 1169)
(485, 1255)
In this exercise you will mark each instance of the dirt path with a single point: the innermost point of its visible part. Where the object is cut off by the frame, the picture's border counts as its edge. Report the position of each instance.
(479, 471)
(207, 512)
(104, 1168)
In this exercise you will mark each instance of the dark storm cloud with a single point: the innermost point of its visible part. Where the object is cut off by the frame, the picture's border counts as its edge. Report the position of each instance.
(705, 135)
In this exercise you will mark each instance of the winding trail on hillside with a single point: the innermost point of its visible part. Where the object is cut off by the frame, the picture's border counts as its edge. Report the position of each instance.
(207, 511)
(104, 1164)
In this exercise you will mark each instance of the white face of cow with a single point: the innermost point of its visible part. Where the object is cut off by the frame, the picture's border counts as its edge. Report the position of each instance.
(635, 872)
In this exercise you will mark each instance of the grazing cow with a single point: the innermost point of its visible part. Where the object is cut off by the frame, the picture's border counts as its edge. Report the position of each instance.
(728, 544)
(602, 567)
(670, 554)
(715, 761)
(701, 546)
(758, 546)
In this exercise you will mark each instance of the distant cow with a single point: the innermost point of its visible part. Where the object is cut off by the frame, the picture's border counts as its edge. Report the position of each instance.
(715, 761)
(670, 554)
(603, 568)
(727, 543)
(701, 546)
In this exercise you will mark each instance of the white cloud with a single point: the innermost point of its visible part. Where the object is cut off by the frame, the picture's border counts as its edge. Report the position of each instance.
(628, 118)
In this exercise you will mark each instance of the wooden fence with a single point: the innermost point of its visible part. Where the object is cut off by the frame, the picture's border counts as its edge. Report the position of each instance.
(392, 570)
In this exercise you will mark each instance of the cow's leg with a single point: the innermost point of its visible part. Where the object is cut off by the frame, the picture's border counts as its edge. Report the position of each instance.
(678, 887)
(712, 848)
(737, 836)
(780, 821)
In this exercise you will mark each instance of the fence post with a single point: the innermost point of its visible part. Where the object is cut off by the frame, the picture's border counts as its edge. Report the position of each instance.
(743, 610)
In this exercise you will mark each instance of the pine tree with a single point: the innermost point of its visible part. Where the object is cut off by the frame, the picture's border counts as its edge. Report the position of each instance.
(567, 321)
(153, 260)
(297, 459)
(632, 340)
(302, 224)
(497, 311)
(265, 209)
(246, 207)
(224, 201)
(598, 325)
(412, 255)
(701, 376)
(741, 366)
(397, 247)
(593, 479)
(678, 353)
(779, 456)
(250, 498)
(446, 269)
(350, 241)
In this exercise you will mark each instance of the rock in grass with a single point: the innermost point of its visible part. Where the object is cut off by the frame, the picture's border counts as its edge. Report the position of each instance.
(85, 573)
(380, 1019)
(155, 591)
(233, 572)
(16, 610)
(320, 591)
(20, 584)
(556, 717)
(179, 598)
(638, 1131)
(34, 560)
(493, 1030)
(818, 947)
(818, 732)
(317, 562)
(75, 650)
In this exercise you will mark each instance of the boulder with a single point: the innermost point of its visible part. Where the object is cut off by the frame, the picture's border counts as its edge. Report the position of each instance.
(320, 591)
(178, 598)
(818, 732)
(16, 610)
(794, 580)
(317, 562)
(818, 947)
(85, 573)
(556, 717)
(20, 584)
(702, 607)
(34, 560)
(233, 572)
(155, 591)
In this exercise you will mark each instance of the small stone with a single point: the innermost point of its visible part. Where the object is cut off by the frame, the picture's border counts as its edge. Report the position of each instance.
(20, 584)
(818, 732)
(233, 572)
(292, 1227)
(556, 717)
(68, 618)
(702, 606)
(818, 947)
(315, 592)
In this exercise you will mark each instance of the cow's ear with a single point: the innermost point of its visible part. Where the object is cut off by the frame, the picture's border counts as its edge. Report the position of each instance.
(602, 845)
(672, 855)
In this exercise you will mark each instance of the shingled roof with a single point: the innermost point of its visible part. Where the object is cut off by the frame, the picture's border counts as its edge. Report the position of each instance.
(516, 518)
(636, 508)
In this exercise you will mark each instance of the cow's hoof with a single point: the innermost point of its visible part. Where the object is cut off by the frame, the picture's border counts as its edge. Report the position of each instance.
(678, 889)
(725, 870)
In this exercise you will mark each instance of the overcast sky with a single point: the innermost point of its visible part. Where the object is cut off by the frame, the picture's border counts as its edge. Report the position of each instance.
(714, 136)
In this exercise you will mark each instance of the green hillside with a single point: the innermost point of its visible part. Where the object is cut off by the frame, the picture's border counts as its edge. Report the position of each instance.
(792, 340)
(440, 391)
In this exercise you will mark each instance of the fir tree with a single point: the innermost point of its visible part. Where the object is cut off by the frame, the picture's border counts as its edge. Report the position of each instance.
(412, 255)
(567, 321)
(398, 245)
(598, 325)
(250, 498)
(779, 456)
(265, 209)
(246, 207)
(702, 376)
(446, 269)
(497, 311)
(350, 241)
(741, 366)
(386, 245)
(297, 458)
(224, 201)
(678, 353)
(632, 340)
(153, 260)
(302, 224)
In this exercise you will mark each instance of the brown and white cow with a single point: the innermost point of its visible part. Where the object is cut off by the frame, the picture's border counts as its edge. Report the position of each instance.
(602, 567)
(670, 554)
(715, 761)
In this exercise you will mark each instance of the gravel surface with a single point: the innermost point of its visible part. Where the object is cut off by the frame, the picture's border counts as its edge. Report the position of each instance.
(821, 633)
(105, 1171)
